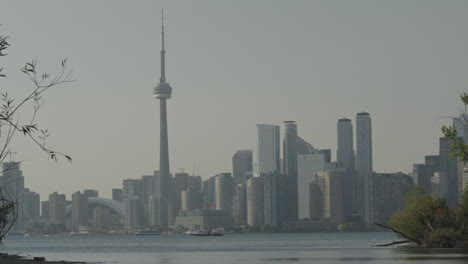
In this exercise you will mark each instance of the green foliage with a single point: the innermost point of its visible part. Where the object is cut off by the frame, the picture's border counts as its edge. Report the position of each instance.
(430, 222)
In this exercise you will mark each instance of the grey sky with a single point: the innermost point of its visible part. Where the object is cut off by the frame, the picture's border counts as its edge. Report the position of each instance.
(232, 64)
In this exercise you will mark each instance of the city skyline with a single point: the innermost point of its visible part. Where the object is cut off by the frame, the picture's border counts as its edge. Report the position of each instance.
(118, 125)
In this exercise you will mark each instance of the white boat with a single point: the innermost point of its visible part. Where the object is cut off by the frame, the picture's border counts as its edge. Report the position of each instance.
(217, 231)
(199, 233)
(79, 233)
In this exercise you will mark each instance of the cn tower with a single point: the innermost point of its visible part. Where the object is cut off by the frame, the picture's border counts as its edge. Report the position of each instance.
(163, 92)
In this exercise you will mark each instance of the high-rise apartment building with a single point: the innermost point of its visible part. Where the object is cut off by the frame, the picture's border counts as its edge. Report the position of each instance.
(79, 211)
(345, 150)
(327, 194)
(240, 205)
(255, 201)
(57, 208)
(270, 198)
(31, 206)
(268, 149)
(241, 166)
(224, 191)
(290, 169)
(133, 213)
(364, 166)
(117, 194)
(363, 143)
(389, 194)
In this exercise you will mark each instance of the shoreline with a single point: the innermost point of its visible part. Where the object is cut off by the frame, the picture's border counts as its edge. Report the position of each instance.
(19, 259)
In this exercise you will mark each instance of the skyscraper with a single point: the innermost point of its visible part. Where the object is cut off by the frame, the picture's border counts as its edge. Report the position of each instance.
(268, 148)
(255, 201)
(241, 165)
(329, 185)
(79, 210)
(56, 208)
(290, 168)
(364, 175)
(224, 192)
(270, 198)
(363, 143)
(345, 151)
(163, 92)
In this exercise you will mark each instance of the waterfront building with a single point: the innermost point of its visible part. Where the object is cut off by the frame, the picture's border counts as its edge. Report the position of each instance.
(153, 210)
(57, 204)
(133, 213)
(389, 194)
(163, 92)
(328, 189)
(79, 211)
(117, 194)
(255, 201)
(270, 198)
(102, 219)
(290, 169)
(31, 206)
(268, 148)
(240, 205)
(241, 166)
(364, 166)
(308, 165)
(224, 191)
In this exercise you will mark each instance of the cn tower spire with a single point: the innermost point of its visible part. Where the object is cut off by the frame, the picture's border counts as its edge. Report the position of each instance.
(163, 51)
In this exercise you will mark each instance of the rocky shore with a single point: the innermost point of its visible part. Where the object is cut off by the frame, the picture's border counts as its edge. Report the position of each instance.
(17, 259)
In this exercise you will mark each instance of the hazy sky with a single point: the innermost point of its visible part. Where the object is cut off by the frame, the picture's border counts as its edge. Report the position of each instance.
(232, 64)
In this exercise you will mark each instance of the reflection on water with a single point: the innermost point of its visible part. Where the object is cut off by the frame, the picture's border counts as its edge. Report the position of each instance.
(327, 248)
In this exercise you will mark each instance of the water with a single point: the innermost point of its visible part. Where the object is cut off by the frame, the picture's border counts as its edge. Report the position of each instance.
(329, 248)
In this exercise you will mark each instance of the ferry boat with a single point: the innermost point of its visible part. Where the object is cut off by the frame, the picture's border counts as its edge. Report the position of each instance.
(199, 233)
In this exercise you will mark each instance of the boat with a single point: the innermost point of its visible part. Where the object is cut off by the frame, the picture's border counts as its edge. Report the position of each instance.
(217, 231)
(79, 233)
(199, 233)
(147, 233)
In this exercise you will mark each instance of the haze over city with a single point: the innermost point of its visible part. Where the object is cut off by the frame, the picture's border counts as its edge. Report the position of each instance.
(232, 65)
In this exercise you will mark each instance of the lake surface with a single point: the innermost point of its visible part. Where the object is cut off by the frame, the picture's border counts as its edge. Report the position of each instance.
(326, 248)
